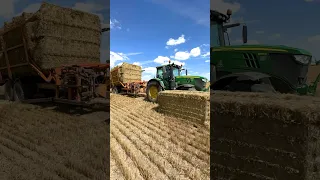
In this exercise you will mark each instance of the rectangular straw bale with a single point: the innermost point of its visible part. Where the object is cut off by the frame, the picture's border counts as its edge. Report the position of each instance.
(265, 136)
(126, 73)
(58, 34)
(187, 105)
(68, 16)
(47, 28)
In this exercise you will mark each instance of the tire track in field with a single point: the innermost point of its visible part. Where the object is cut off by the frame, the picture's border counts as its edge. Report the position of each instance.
(196, 149)
(160, 144)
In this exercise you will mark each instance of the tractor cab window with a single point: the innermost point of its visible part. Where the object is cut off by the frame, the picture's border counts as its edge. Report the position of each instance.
(176, 72)
(214, 36)
(159, 73)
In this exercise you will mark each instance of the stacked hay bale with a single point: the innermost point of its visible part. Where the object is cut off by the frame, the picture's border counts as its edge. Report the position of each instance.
(56, 36)
(264, 136)
(126, 73)
(188, 105)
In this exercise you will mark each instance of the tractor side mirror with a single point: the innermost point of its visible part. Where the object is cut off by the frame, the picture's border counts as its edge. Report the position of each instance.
(244, 34)
(186, 72)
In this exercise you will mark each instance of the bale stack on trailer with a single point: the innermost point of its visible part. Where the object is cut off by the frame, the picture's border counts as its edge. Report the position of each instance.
(126, 73)
(188, 105)
(55, 36)
(263, 136)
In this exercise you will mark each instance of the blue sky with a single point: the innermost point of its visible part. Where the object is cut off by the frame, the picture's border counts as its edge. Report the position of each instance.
(287, 22)
(11, 8)
(150, 32)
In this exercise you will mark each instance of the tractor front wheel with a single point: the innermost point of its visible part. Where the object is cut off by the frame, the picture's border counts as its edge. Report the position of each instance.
(152, 91)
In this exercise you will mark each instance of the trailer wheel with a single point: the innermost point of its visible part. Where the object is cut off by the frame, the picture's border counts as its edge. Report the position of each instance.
(18, 91)
(8, 91)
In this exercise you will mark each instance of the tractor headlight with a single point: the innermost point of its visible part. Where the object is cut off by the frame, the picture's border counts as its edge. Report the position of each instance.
(204, 80)
(302, 59)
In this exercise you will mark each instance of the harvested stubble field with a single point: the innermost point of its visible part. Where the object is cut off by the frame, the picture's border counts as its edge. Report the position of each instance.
(145, 144)
(37, 143)
(265, 136)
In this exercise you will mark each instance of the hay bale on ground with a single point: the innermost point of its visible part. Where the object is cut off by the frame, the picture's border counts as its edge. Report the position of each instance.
(187, 105)
(58, 32)
(126, 73)
(263, 136)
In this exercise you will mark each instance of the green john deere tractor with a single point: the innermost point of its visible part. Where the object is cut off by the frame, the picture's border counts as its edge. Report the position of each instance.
(255, 68)
(169, 77)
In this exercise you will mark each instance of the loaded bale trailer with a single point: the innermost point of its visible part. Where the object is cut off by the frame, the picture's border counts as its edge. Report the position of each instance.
(54, 52)
(126, 79)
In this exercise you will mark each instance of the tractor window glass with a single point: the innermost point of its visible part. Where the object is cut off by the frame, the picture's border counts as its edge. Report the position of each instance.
(176, 72)
(214, 35)
(159, 73)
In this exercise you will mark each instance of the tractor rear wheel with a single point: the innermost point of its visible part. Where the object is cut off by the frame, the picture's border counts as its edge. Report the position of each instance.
(8, 91)
(152, 91)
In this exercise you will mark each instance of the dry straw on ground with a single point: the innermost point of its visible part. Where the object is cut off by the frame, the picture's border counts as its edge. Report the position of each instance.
(265, 136)
(36, 143)
(188, 105)
(58, 33)
(126, 73)
(150, 145)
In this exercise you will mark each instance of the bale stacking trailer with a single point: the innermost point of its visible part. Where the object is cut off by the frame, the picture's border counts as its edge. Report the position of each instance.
(126, 79)
(53, 55)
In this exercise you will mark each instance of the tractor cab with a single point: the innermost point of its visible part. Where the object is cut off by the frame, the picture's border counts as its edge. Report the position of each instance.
(261, 68)
(169, 77)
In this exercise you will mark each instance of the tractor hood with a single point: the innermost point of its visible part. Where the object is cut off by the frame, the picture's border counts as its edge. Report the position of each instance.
(190, 77)
(199, 82)
(261, 48)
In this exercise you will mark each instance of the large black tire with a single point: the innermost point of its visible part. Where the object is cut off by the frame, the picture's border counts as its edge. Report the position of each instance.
(18, 92)
(8, 91)
(153, 89)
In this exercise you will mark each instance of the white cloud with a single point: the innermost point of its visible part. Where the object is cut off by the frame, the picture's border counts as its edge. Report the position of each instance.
(222, 6)
(195, 52)
(175, 50)
(115, 24)
(259, 32)
(207, 61)
(184, 55)
(134, 53)
(7, 8)
(137, 63)
(165, 60)
(114, 57)
(148, 73)
(315, 38)
(174, 42)
(206, 54)
(161, 59)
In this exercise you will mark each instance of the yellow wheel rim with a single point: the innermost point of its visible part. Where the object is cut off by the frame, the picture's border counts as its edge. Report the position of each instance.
(153, 92)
